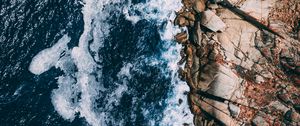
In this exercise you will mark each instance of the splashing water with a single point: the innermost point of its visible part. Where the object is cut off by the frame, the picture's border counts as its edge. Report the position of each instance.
(82, 83)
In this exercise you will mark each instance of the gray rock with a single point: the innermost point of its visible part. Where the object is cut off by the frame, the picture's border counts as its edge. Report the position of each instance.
(259, 121)
(234, 110)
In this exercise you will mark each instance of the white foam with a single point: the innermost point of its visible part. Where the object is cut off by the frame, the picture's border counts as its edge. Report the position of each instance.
(47, 58)
(156, 10)
(66, 63)
(89, 92)
(125, 71)
(87, 79)
(83, 60)
(62, 97)
(174, 113)
(88, 71)
(94, 28)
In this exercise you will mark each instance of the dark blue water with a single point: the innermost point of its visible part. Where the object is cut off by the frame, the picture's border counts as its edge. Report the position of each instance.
(27, 27)
(30, 26)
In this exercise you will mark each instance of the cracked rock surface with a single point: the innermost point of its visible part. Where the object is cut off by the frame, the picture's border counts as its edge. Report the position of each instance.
(238, 73)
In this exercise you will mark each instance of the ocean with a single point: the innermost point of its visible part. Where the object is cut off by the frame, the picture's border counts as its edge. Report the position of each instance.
(91, 62)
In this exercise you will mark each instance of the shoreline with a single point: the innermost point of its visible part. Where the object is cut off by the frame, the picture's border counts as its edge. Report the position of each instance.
(237, 73)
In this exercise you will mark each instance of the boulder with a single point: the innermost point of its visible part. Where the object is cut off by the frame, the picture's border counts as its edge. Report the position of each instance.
(212, 21)
(188, 3)
(253, 71)
(181, 21)
(199, 6)
(181, 38)
(189, 15)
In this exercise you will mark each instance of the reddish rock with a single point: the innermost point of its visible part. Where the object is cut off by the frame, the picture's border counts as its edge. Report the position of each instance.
(181, 38)
(228, 64)
(181, 21)
(189, 53)
(199, 6)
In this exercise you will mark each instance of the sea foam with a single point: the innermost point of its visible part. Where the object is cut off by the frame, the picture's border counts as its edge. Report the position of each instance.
(163, 12)
(47, 58)
(81, 84)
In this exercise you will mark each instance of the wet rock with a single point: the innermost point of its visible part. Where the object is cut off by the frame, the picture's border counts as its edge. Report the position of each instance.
(189, 79)
(188, 3)
(181, 38)
(199, 6)
(180, 101)
(199, 121)
(181, 21)
(189, 15)
(189, 53)
(195, 108)
(182, 74)
(183, 57)
(185, 18)
(212, 21)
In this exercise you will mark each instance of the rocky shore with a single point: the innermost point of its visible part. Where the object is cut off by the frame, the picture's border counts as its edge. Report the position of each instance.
(238, 73)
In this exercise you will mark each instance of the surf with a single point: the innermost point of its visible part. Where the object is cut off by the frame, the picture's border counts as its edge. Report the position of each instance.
(85, 90)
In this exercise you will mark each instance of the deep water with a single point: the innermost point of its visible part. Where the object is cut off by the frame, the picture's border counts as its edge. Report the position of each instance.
(27, 27)
(91, 62)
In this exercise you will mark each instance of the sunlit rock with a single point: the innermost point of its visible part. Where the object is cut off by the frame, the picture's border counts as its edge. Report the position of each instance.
(251, 76)
(212, 21)
(199, 6)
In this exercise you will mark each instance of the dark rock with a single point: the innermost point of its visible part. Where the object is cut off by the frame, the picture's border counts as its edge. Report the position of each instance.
(180, 101)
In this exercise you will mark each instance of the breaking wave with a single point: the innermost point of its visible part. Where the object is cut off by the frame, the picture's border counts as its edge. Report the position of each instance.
(111, 81)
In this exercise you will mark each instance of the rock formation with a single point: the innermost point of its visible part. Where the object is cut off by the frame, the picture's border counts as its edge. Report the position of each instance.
(238, 73)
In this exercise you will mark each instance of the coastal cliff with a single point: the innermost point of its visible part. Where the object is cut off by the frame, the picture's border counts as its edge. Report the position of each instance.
(240, 73)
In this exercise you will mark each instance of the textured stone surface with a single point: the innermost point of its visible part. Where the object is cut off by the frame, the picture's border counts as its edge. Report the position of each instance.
(212, 21)
(248, 76)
